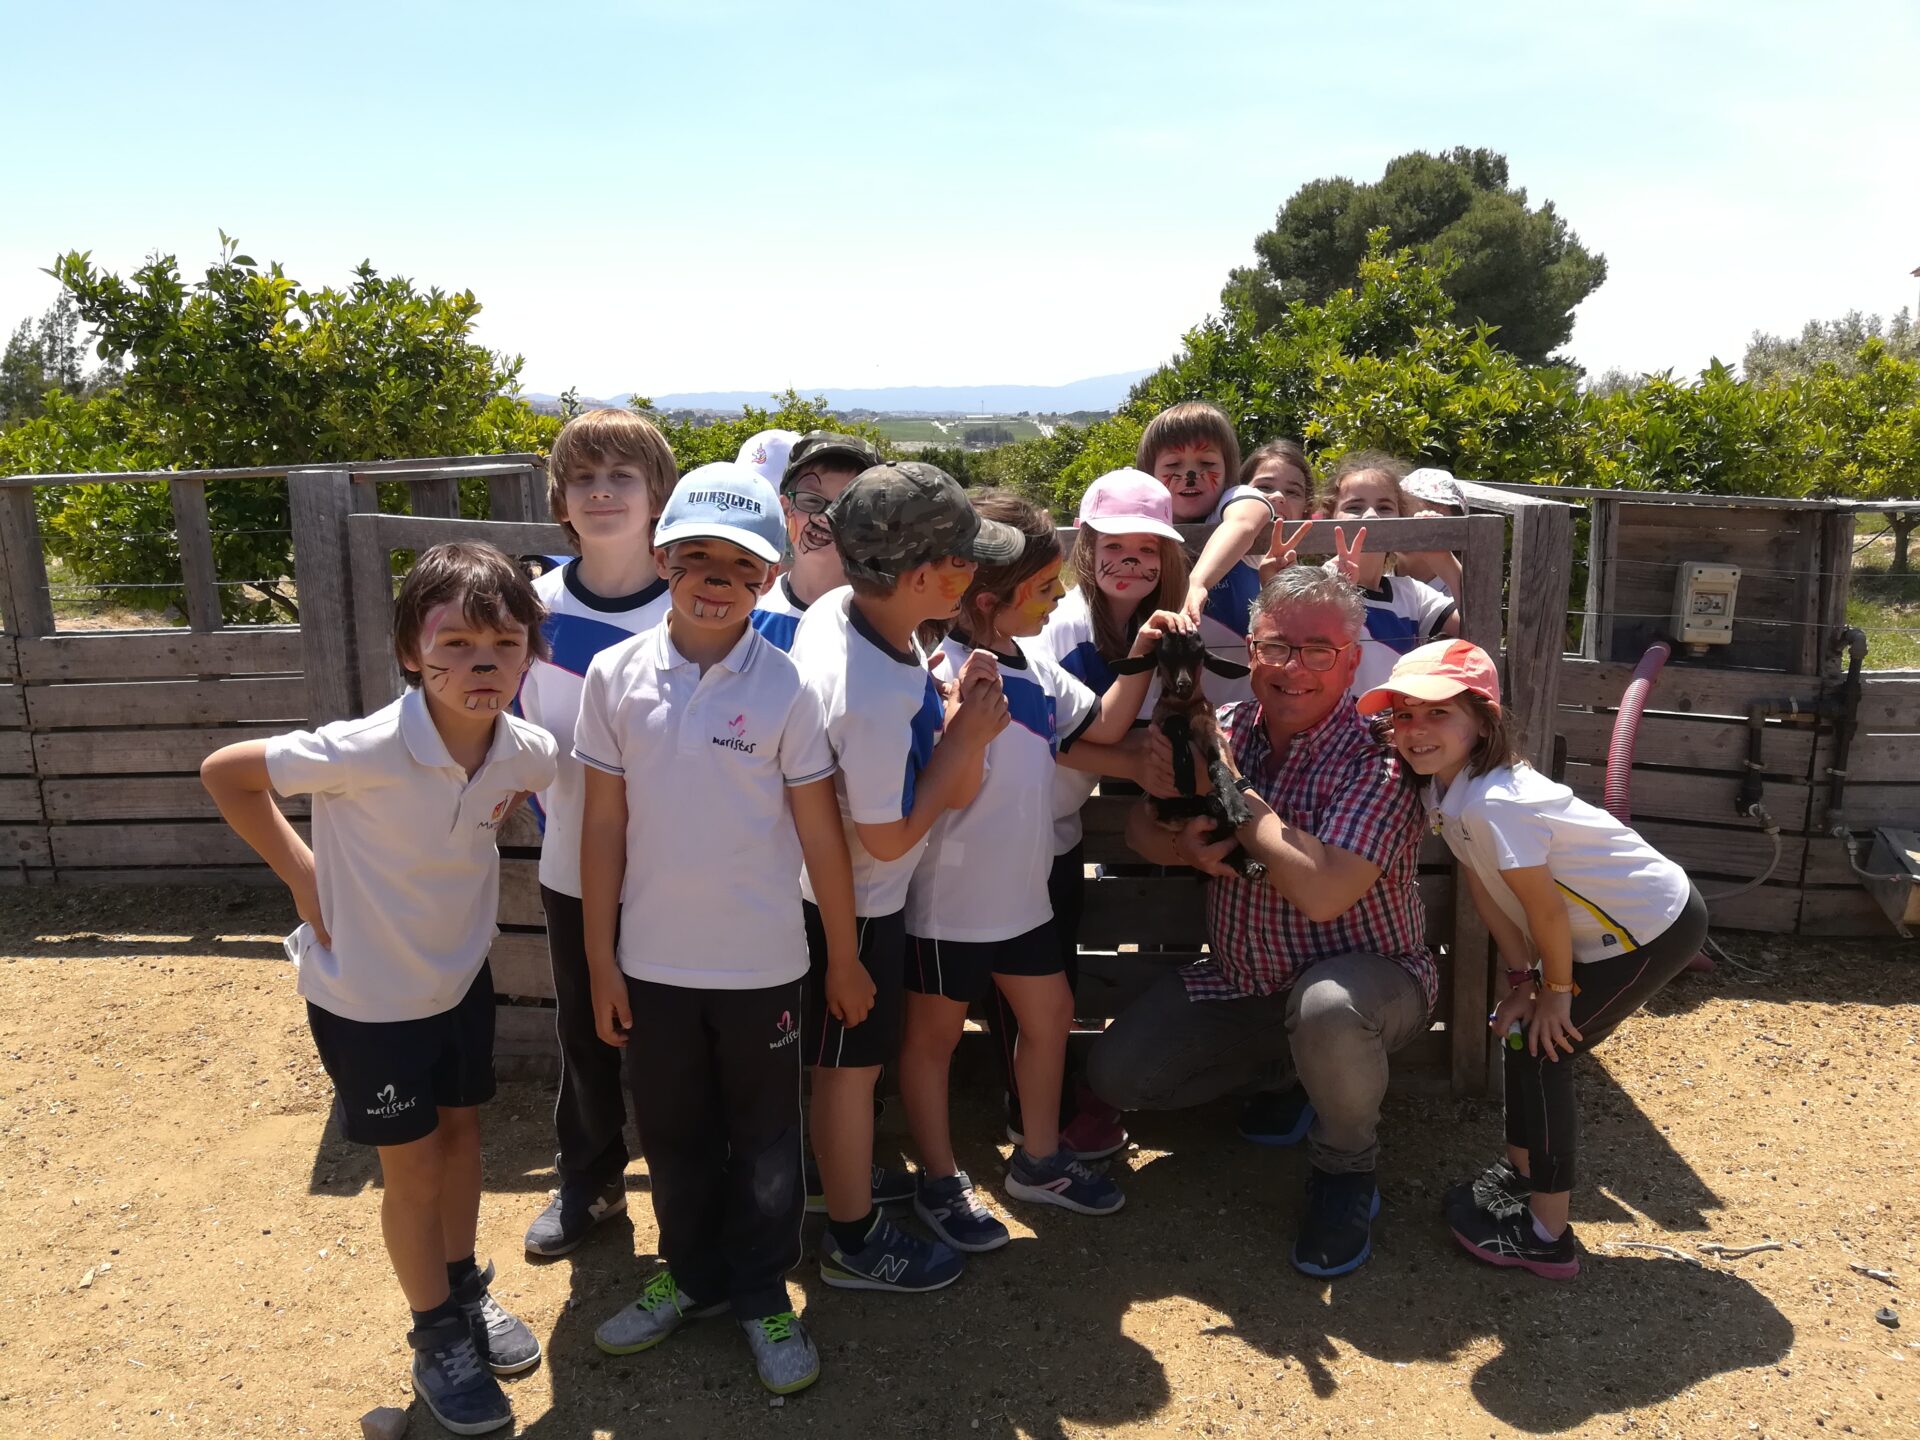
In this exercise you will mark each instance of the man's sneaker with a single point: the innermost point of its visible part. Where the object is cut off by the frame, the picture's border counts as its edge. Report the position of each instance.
(572, 1214)
(1277, 1117)
(508, 1346)
(953, 1211)
(453, 1381)
(1508, 1238)
(1336, 1233)
(1064, 1181)
(890, 1187)
(1499, 1187)
(890, 1260)
(783, 1352)
(663, 1307)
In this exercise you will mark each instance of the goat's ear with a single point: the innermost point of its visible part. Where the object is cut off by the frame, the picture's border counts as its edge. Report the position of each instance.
(1227, 668)
(1132, 665)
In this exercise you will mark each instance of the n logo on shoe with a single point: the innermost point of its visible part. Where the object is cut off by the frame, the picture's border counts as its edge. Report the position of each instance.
(892, 1269)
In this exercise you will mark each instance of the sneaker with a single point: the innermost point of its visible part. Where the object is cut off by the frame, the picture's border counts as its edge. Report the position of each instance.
(1508, 1238)
(505, 1341)
(890, 1260)
(1498, 1187)
(452, 1380)
(572, 1214)
(663, 1307)
(1336, 1233)
(783, 1352)
(953, 1211)
(1064, 1181)
(1093, 1132)
(1277, 1117)
(890, 1187)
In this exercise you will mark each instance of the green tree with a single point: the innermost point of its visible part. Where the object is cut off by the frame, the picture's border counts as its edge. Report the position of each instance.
(701, 442)
(1515, 267)
(1842, 342)
(41, 356)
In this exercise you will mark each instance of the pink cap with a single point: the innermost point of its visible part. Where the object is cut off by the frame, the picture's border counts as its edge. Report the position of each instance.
(1438, 670)
(1128, 502)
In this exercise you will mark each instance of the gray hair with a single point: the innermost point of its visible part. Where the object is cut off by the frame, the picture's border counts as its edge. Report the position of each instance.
(1303, 585)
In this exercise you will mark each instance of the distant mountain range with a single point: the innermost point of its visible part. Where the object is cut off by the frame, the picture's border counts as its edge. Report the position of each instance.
(1100, 392)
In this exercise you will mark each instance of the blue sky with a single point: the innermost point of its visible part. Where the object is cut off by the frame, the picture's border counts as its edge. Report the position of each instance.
(727, 195)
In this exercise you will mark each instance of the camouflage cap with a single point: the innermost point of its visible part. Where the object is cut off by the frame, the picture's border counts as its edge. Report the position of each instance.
(828, 447)
(904, 513)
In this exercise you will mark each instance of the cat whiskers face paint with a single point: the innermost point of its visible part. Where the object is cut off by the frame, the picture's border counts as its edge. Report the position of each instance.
(714, 582)
(473, 666)
(1127, 567)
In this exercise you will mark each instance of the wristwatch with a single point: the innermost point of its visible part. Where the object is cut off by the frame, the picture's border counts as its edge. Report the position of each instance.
(1244, 784)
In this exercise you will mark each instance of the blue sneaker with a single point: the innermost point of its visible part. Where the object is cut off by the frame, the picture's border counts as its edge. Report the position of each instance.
(1277, 1117)
(1064, 1181)
(890, 1187)
(890, 1260)
(451, 1377)
(1336, 1233)
(953, 1211)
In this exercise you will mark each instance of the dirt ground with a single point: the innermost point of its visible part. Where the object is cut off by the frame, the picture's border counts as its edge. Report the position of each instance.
(186, 1251)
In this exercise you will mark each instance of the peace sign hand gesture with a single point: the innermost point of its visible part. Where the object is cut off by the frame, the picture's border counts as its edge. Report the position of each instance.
(1283, 550)
(1346, 555)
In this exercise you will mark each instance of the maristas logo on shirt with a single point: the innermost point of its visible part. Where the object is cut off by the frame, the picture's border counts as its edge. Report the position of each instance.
(736, 736)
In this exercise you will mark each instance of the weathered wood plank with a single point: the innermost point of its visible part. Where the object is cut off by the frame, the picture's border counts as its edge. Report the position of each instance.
(1708, 799)
(16, 752)
(520, 498)
(222, 876)
(1884, 757)
(1864, 807)
(1685, 689)
(137, 752)
(193, 532)
(418, 532)
(1772, 909)
(520, 831)
(1542, 571)
(522, 966)
(159, 797)
(1842, 912)
(167, 702)
(13, 706)
(24, 845)
(29, 607)
(438, 497)
(175, 843)
(163, 654)
(523, 1032)
(1835, 561)
(20, 802)
(1724, 853)
(1687, 742)
(1888, 704)
(379, 672)
(320, 501)
(1465, 1000)
(520, 893)
(1145, 910)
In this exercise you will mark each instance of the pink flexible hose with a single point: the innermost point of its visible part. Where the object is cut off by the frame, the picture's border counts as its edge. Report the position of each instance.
(1626, 725)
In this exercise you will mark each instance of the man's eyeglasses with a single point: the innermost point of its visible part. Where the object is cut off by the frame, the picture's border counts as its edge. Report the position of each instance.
(1277, 653)
(808, 502)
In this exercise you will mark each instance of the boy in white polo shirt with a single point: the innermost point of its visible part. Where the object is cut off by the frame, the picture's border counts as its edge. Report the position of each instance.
(709, 780)
(398, 897)
(608, 476)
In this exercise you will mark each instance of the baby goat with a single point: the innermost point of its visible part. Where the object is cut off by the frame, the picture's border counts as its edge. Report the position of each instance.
(1183, 715)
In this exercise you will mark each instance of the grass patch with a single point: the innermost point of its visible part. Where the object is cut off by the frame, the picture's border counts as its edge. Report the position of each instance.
(1884, 605)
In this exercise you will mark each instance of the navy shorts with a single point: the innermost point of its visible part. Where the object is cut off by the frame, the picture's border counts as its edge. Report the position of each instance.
(392, 1076)
(824, 1041)
(963, 970)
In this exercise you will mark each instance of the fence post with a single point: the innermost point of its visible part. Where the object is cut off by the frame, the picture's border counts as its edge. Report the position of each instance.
(29, 605)
(370, 564)
(517, 497)
(1537, 623)
(320, 501)
(194, 533)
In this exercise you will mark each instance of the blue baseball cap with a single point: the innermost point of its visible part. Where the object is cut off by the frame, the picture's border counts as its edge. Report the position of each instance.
(725, 501)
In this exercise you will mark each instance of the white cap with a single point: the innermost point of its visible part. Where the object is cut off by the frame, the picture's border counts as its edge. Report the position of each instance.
(1435, 486)
(725, 502)
(767, 453)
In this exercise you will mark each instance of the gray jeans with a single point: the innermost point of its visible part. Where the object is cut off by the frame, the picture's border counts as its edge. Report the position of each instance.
(1334, 1029)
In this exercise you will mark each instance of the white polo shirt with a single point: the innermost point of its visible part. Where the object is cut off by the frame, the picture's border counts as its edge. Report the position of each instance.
(404, 855)
(1068, 639)
(1402, 615)
(1620, 892)
(778, 614)
(712, 853)
(883, 717)
(579, 626)
(983, 875)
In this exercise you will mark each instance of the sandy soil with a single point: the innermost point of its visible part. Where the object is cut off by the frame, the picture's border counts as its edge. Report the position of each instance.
(185, 1250)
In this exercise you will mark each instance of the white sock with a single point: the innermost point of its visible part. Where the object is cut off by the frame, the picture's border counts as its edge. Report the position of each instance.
(1541, 1230)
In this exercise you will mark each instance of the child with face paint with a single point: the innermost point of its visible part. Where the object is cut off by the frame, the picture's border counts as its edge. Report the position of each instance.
(979, 916)
(608, 476)
(1191, 449)
(819, 467)
(397, 899)
(709, 781)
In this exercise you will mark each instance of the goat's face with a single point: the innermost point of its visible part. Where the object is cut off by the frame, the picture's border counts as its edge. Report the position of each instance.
(1180, 656)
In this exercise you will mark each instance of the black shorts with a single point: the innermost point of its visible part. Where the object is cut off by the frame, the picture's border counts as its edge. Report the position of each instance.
(392, 1076)
(824, 1041)
(963, 970)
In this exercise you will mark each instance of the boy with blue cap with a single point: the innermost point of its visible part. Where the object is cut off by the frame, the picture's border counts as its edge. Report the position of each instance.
(709, 780)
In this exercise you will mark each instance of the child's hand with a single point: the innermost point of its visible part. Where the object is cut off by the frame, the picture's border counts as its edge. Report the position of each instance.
(1283, 550)
(980, 715)
(849, 992)
(612, 1018)
(980, 666)
(1551, 1025)
(1158, 624)
(1195, 603)
(1199, 849)
(306, 903)
(1517, 1008)
(1346, 554)
(1157, 777)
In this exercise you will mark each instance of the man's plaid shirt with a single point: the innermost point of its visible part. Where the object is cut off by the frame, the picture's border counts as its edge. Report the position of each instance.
(1341, 786)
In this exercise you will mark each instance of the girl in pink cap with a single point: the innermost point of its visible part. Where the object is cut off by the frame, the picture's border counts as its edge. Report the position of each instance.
(1589, 919)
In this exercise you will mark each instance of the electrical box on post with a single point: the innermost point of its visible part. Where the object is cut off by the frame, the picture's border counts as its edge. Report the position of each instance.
(1703, 597)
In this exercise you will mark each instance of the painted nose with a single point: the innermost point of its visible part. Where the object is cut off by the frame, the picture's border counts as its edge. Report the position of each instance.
(485, 669)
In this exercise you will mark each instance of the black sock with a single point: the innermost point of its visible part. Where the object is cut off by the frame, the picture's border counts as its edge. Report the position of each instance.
(459, 1271)
(852, 1234)
(447, 1309)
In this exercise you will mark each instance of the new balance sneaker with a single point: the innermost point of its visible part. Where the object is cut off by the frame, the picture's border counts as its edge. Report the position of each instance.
(1508, 1238)
(1498, 1187)
(453, 1381)
(571, 1215)
(663, 1307)
(1277, 1117)
(952, 1210)
(505, 1342)
(890, 1187)
(1336, 1233)
(783, 1353)
(890, 1260)
(1062, 1180)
